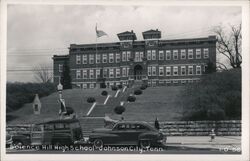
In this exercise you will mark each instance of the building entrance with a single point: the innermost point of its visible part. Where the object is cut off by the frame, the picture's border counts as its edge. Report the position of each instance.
(138, 72)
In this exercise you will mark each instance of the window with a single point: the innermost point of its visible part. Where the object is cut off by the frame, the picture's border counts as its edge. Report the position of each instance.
(60, 67)
(153, 82)
(78, 74)
(98, 58)
(190, 70)
(128, 55)
(175, 71)
(153, 71)
(183, 70)
(104, 58)
(161, 72)
(124, 72)
(175, 54)
(118, 57)
(161, 55)
(206, 54)
(168, 81)
(91, 59)
(175, 81)
(105, 73)
(141, 55)
(118, 73)
(149, 54)
(98, 73)
(168, 54)
(153, 55)
(111, 73)
(198, 70)
(168, 71)
(137, 57)
(91, 85)
(91, 73)
(84, 73)
(124, 55)
(78, 59)
(111, 58)
(149, 71)
(183, 81)
(85, 59)
(127, 71)
(198, 53)
(190, 53)
(84, 85)
(183, 54)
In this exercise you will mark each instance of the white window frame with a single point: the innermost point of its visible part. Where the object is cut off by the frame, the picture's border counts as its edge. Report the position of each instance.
(168, 70)
(148, 54)
(198, 68)
(117, 73)
(124, 72)
(183, 68)
(153, 70)
(168, 55)
(111, 73)
(111, 58)
(137, 56)
(78, 59)
(206, 53)
(104, 58)
(91, 85)
(183, 54)
(105, 73)
(84, 59)
(118, 57)
(149, 71)
(141, 55)
(84, 73)
(91, 59)
(153, 54)
(161, 55)
(175, 71)
(189, 69)
(127, 71)
(98, 73)
(98, 58)
(124, 56)
(91, 73)
(190, 54)
(198, 53)
(128, 55)
(60, 68)
(78, 74)
(161, 71)
(84, 86)
(175, 55)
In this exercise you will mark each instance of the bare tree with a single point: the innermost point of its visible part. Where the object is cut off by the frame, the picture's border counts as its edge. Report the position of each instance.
(43, 73)
(229, 44)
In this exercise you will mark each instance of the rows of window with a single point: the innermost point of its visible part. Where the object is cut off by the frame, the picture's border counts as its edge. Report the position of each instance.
(174, 70)
(138, 56)
(107, 73)
(108, 83)
(156, 82)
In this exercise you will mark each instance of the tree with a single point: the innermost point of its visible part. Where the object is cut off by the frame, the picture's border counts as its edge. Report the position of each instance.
(229, 44)
(43, 73)
(66, 78)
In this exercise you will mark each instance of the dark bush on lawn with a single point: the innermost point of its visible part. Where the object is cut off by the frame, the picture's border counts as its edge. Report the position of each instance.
(138, 92)
(104, 93)
(119, 86)
(91, 100)
(131, 98)
(143, 87)
(114, 88)
(119, 110)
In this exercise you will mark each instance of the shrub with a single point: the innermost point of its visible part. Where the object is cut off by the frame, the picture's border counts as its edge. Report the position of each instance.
(114, 88)
(104, 93)
(119, 110)
(143, 87)
(138, 92)
(131, 98)
(119, 86)
(91, 100)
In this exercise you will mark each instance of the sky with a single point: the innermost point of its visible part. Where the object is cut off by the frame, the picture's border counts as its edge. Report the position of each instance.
(37, 32)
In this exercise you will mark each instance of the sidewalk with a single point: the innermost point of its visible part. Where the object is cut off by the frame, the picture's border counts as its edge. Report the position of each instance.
(205, 141)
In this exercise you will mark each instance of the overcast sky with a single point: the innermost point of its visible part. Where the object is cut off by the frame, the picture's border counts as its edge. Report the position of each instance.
(36, 32)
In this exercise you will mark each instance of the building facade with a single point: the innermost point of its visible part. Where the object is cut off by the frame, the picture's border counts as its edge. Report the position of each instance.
(153, 61)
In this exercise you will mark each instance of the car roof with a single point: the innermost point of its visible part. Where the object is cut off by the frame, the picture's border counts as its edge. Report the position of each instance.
(59, 121)
(135, 122)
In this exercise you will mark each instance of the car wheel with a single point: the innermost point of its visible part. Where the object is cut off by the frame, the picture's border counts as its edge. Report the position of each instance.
(145, 144)
(98, 143)
(18, 143)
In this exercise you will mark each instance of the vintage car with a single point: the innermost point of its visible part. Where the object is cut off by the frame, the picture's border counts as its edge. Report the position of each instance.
(56, 132)
(127, 133)
(20, 139)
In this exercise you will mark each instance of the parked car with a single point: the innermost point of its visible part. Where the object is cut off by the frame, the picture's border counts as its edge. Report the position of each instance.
(8, 140)
(127, 133)
(20, 139)
(56, 132)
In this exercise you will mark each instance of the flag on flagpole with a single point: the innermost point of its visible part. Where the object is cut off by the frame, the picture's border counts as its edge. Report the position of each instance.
(99, 33)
